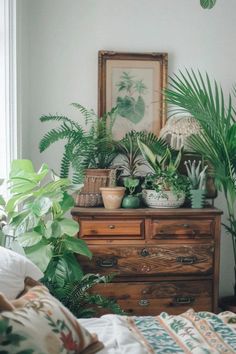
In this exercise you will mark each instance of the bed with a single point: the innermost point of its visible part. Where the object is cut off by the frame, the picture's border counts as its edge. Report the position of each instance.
(190, 332)
(37, 323)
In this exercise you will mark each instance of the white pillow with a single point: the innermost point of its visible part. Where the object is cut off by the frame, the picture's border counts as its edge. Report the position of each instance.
(14, 268)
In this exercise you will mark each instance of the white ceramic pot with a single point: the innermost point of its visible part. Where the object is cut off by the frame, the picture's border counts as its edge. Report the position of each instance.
(166, 199)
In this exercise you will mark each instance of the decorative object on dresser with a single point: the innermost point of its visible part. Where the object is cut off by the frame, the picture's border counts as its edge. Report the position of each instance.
(165, 187)
(112, 196)
(89, 153)
(131, 199)
(197, 177)
(165, 259)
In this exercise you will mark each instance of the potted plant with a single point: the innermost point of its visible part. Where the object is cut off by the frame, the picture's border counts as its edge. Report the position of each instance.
(112, 196)
(197, 178)
(35, 218)
(131, 160)
(193, 93)
(165, 187)
(88, 152)
(131, 200)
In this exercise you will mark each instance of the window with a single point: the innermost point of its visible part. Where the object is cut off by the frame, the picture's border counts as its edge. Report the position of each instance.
(8, 118)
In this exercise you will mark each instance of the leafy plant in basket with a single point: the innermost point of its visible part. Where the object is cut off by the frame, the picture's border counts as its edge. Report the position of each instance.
(165, 187)
(131, 200)
(91, 148)
(193, 93)
(36, 218)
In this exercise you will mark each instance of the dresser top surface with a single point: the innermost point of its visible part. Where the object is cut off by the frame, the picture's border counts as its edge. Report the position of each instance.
(78, 211)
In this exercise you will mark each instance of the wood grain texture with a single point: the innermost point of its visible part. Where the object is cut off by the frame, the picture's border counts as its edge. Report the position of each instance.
(152, 298)
(165, 259)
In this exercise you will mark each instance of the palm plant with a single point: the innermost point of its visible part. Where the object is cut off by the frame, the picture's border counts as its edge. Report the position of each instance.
(83, 149)
(195, 94)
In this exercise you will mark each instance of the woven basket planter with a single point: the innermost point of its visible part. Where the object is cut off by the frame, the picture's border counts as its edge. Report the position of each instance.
(90, 195)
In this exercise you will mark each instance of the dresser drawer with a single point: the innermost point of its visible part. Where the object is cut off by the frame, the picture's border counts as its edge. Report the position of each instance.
(182, 228)
(158, 260)
(118, 229)
(152, 298)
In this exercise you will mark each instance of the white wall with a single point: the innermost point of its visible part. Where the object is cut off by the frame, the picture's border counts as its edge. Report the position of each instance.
(60, 40)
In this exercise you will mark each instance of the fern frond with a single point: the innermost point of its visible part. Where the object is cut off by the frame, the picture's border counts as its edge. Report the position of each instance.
(52, 136)
(63, 119)
(89, 115)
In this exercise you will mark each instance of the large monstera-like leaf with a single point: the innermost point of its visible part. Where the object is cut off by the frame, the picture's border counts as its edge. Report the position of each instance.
(131, 109)
(207, 4)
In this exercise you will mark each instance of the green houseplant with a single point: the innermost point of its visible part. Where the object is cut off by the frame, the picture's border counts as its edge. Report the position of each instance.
(164, 187)
(131, 200)
(132, 162)
(35, 217)
(89, 153)
(193, 93)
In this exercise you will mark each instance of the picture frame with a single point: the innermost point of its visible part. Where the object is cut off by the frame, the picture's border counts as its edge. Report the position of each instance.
(134, 82)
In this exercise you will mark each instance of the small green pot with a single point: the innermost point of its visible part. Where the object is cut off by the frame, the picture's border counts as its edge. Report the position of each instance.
(197, 197)
(131, 202)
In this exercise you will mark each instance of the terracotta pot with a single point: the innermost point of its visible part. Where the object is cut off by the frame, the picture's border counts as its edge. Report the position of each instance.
(112, 196)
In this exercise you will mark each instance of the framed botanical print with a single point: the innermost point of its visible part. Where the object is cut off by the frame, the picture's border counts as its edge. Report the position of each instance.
(134, 83)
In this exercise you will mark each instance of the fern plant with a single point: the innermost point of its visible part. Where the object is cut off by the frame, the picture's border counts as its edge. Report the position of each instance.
(80, 301)
(91, 148)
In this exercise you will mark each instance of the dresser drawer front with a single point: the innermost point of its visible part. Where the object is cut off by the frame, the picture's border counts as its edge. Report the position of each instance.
(105, 229)
(161, 260)
(182, 228)
(152, 298)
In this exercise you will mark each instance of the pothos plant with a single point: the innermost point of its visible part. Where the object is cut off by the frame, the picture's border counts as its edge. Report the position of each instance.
(35, 216)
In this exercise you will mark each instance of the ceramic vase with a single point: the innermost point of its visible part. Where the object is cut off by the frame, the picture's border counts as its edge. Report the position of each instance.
(197, 197)
(165, 199)
(112, 196)
(131, 202)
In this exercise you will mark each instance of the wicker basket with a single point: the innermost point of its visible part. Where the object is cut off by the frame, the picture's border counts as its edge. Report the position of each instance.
(90, 195)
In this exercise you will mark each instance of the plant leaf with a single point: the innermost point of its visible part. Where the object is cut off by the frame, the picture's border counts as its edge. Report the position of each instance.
(78, 246)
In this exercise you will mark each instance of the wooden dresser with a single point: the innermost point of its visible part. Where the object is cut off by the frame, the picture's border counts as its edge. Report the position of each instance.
(165, 259)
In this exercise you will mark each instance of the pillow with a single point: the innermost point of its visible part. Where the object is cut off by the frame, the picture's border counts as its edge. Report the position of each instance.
(39, 323)
(14, 268)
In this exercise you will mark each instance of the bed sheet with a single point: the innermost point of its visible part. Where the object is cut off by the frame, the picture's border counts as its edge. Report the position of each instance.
(190, 332)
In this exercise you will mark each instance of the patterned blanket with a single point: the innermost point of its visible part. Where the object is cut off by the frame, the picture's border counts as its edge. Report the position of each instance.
(190, 332)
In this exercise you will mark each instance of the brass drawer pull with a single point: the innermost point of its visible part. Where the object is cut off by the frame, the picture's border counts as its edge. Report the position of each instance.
(186, 260)
(144, 252)
(144, 302)
(106, 262)
(112, 227)
(183, 300)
